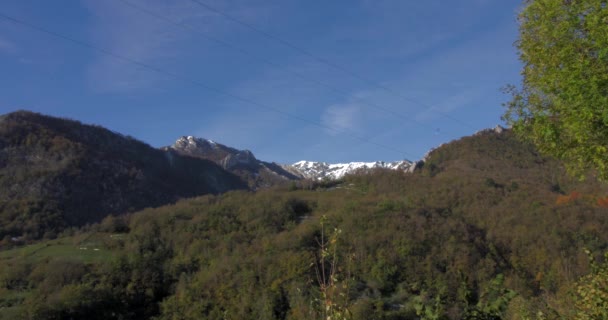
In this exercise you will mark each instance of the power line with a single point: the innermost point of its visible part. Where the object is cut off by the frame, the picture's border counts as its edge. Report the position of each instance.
(323, 60)
(220, 92)
(271, 63)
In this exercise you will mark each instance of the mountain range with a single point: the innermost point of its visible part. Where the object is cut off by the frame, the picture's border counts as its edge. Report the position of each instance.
(257, 173)
(57, 173)
(331, 171)
(485, 227)
(263, 174)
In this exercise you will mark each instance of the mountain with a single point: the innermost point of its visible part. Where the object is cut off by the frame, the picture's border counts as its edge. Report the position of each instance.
(56, 173)
(263, 174)
(485, 228)
(243, 163)
(332, 171)
(323, 170)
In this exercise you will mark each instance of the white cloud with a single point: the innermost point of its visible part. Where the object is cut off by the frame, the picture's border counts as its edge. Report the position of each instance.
(341, 118)
(443, 75)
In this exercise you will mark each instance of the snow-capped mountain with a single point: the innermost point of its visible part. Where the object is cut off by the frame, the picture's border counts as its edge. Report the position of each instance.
(243, 163)
(210, 150)
(324, 170)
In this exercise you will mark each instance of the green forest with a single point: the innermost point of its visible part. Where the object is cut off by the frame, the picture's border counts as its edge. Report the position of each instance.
(504, 224)
(486, 228)
(57, 173)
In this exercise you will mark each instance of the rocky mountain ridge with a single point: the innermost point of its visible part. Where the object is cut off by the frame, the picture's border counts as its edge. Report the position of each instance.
(323, 170)
(256, 173)
(245, 164)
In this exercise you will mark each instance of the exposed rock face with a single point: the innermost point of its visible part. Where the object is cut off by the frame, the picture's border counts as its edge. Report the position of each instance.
(242, 158)
(498, 130)
(243, 163)
(203, 148)
(260, 173)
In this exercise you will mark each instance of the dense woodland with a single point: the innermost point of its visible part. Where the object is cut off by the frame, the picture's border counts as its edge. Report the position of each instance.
(96, 225)
(486, 228)
(58, 173)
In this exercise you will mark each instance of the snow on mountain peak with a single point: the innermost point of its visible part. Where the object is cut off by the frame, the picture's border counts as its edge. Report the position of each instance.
(324, 170)
(193, 141)
(229, 157)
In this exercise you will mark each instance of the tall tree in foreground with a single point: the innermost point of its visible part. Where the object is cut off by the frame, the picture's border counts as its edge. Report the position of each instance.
(562, 106)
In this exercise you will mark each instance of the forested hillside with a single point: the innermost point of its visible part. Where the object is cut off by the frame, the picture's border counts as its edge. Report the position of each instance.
(56, 173)
(485, 229)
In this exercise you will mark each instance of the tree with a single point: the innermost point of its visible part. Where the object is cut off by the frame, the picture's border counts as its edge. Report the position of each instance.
(592, 292)
(562, 106)
(333, 287)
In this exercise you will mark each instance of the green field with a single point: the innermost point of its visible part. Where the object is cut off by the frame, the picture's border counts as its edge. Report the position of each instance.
(91, 249)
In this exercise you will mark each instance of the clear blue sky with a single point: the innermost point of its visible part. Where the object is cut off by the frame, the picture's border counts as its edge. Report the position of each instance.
(443, 61)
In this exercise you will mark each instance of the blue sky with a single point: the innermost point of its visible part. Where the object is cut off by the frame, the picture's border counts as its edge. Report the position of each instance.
(443, 63)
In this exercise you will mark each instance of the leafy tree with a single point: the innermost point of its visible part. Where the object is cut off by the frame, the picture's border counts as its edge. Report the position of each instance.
(494, 301)
(562, 106)
(592, 292)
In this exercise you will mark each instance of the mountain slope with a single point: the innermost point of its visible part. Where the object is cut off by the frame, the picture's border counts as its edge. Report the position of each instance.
(240, 162)
(485, 228)
(56, 173)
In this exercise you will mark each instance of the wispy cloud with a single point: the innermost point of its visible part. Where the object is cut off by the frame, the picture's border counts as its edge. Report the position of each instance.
(7, 46)
(122, 29)
(442, 73)
(341, 117)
